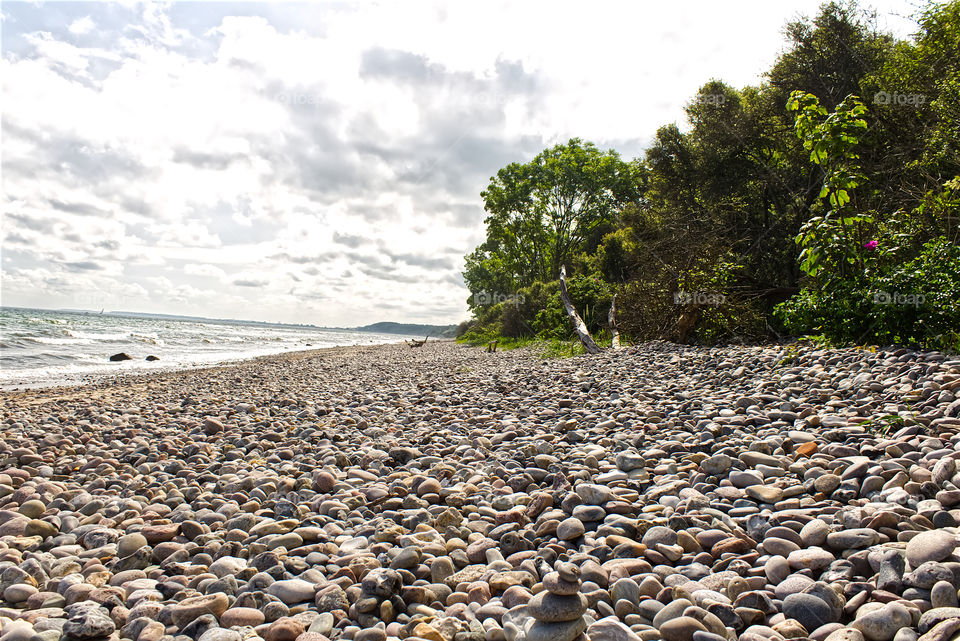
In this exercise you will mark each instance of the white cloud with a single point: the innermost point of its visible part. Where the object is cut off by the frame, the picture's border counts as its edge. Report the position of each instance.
(206, 270)
(81, 26)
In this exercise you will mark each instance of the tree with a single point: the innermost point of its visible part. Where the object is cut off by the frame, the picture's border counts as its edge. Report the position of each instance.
(544, 212)
(867, 188)
(831, 55)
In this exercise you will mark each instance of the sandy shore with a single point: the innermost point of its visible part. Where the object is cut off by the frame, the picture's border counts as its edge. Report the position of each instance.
(443, 493)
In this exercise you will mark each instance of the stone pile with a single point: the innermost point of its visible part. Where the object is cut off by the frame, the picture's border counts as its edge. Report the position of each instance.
(558, 609)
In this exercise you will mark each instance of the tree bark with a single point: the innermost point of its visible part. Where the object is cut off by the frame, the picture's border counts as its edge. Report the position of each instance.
(578, 325)
(612, 322)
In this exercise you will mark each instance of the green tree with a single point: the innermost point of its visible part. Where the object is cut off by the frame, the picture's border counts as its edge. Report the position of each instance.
(867, 189)
(544, 212)
(830, 55)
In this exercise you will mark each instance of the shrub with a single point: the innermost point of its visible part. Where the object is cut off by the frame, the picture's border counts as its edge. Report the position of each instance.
(916, 303)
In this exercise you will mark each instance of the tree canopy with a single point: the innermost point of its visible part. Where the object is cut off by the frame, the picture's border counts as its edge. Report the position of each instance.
(543, 212)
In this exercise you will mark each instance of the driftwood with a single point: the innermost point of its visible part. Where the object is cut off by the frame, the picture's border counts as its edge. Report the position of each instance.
(612, 322)
(416, 343)
(492, 346)
(578, 325)
(685, 324)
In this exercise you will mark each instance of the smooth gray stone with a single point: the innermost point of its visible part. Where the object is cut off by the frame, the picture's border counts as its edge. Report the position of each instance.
(559, 631)
(883, 624)
(670, 611)
(943, 595)
(934, 616)
(810, 611)
(933, 545)
(551, 608)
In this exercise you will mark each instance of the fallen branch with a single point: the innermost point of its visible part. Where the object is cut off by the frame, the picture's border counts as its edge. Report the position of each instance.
(612, 322)
(578, 325)
(686, 323)
(416, 343)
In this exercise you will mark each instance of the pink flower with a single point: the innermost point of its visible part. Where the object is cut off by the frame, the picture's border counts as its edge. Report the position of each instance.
(871, 244)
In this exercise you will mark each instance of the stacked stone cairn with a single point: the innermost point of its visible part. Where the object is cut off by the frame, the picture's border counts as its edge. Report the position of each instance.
(558, 609)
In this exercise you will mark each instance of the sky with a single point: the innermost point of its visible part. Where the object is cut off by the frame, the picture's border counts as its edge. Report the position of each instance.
(321, 163)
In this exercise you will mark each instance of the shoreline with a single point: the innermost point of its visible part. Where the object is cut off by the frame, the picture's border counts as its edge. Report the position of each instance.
(105, 377)
(60, 349)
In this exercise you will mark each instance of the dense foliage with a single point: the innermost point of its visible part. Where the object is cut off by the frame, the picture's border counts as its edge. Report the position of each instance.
(825, 201)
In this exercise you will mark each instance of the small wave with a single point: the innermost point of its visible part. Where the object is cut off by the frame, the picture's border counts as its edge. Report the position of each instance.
(14, 343)
(14, 361)
(55, 356)
(43, 340)
(119, 336)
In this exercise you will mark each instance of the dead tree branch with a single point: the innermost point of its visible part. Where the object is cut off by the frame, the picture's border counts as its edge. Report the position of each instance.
(416, 343)
(578, 325)
(612, 322)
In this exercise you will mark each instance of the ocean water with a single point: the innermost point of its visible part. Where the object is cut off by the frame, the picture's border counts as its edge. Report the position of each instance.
(40, 348)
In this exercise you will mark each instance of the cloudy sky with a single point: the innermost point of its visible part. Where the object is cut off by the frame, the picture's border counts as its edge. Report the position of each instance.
(320, 162)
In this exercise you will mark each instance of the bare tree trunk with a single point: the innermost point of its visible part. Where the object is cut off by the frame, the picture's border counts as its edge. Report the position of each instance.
(612, 322)
(578, 325)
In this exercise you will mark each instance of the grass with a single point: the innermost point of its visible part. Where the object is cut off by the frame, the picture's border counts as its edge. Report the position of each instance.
(818, 342)
(883, 426)
(547, 348)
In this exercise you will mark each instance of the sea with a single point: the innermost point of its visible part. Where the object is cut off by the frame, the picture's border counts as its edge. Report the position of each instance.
(43, 348)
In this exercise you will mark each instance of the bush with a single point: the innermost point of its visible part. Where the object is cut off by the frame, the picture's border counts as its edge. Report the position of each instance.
(465, 326)
(916, 303)
(648, 310)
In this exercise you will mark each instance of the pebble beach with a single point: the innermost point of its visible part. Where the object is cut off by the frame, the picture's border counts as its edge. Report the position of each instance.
(448, 494)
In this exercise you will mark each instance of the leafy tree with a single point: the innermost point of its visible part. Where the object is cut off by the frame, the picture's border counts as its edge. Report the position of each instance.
(486, 271)
(544, 212)
(830, 55)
